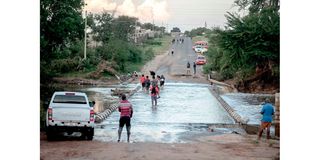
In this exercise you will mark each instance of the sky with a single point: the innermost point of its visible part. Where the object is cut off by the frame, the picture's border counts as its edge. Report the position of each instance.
(184, 14)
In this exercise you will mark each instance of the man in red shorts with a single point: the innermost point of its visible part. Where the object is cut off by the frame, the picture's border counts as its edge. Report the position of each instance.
(126, 111)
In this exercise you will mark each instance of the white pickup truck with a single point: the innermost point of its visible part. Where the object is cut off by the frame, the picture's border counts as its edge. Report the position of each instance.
(70, 112)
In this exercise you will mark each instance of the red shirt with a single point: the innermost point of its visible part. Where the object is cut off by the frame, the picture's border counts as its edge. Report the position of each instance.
(125, 108)
(142, 79)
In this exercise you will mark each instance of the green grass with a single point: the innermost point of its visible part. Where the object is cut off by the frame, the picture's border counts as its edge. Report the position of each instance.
(134, 67)
(165, 44)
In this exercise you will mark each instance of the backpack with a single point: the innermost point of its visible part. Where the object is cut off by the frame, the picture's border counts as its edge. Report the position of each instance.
(153, 90)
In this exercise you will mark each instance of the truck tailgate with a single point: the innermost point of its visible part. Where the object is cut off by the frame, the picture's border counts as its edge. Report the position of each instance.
(71, 113)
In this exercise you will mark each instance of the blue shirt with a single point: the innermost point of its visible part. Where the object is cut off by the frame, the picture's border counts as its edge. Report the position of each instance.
(267, 112)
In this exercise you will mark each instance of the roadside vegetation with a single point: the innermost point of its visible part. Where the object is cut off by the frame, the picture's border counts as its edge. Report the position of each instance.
(110, 40)
(199, 38)
(247, 49)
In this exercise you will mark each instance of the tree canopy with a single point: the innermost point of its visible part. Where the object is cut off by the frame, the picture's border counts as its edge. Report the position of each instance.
(61, 23)
(249, 43)
(175, 29)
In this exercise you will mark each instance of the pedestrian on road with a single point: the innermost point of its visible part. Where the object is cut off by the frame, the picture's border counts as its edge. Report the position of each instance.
(154, 94)
(126, 111)
(147, 83)
(188, 68)
(142, 79)
(267, 113)
(172, 51)
(194, 67)
(162, 79)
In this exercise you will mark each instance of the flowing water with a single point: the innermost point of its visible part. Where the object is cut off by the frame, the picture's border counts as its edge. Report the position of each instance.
(183, 109)
(247, 105)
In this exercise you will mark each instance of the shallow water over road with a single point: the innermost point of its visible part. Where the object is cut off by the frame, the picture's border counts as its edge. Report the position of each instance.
(182, 110)
(247, 105)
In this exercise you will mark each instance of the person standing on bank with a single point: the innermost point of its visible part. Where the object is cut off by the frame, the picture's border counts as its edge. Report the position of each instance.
(194, 68)
(126, 111)
(267, 113)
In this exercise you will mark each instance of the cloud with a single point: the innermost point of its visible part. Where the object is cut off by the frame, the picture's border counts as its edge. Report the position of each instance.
(146, 11)
(97, 6)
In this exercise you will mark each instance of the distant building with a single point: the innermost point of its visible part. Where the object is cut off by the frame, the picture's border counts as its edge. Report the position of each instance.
(140, 35)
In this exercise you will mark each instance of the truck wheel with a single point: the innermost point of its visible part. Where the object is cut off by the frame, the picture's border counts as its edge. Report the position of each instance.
(83, 135)
(50, 134)
(90, 134)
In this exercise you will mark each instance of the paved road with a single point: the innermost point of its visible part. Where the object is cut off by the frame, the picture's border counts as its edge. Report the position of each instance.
(174, 67)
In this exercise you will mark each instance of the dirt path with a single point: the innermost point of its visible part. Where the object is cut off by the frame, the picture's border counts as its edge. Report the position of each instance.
(225, 146)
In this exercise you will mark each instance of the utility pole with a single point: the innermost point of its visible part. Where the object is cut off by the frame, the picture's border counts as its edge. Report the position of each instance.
(85, 37)
(168, 28)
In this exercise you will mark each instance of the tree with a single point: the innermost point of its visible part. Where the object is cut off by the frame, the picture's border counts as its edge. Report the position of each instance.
(255, 6)
(123, 27)
(61, 22)
(175, 29)
(101, 25)
(198, 31)
(148, 26)
(248, 43)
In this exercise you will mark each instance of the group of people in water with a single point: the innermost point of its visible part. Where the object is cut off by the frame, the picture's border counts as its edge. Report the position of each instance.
(125, 107)
(153, 85)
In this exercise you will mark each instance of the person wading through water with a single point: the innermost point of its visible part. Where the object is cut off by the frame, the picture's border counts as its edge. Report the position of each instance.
(154, 94)
(142, 79)
(147, 83)
(126, 111)
(162, 79)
